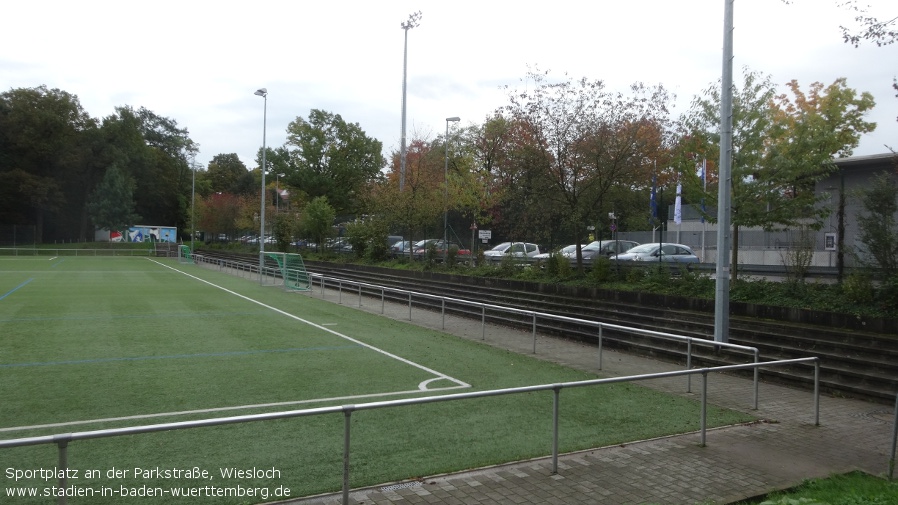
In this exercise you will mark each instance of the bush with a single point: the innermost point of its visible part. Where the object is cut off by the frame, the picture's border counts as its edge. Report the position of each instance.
(635, 275)
(657, 278)
(558, 267)
(887, 295)
(601, 270)
(858, 288)
(368, 238)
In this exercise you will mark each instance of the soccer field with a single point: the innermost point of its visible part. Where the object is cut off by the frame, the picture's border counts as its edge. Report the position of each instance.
(95, 343)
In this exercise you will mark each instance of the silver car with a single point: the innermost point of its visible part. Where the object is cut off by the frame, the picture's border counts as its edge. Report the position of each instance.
(666, 252)
(516, 249)
(599, 248)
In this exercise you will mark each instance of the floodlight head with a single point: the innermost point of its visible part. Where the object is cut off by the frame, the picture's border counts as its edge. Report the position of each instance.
(412, 22)
(453, 119)
(262, 92)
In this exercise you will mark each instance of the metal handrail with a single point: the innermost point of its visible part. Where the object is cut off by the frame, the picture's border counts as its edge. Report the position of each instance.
(62, 440)
(534, 315)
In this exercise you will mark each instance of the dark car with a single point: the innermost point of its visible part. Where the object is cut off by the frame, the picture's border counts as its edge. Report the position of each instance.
(439, 248)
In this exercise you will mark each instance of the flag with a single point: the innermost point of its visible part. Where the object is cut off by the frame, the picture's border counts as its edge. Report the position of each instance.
(678, 207)
(704, 187)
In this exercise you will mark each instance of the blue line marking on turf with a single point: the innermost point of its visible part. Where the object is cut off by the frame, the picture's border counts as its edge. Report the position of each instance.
(13, 290)
(54, 265)
(179, 356)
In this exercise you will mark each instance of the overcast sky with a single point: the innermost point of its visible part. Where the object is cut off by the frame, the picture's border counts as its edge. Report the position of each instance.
(199, 62)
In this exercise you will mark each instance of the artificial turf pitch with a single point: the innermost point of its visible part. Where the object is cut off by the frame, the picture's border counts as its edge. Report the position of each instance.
(96, 343)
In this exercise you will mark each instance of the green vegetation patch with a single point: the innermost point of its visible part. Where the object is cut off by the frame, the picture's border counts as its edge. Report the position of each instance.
(855, 488)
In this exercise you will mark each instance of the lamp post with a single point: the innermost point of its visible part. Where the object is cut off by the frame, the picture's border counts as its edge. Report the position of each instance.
(446, 192)
(412, 22)
(263, 92)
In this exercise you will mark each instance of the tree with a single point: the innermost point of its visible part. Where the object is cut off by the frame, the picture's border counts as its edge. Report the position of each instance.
(111, 206)
(587, 139)
(162, 174)
(220, 213)
(415, 207)
(481, 189)
(872, 29)
(878, 226)
(226, 173)
(43, 149)
(284, 228)
(332, 158)
(317, 221)
(781, 148)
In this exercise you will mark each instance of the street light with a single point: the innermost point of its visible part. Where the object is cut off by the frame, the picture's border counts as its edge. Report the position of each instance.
(412, 22)
(446, 192)
(263, 92)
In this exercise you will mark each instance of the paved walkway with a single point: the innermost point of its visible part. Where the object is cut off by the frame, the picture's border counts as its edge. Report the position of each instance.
(736, 463)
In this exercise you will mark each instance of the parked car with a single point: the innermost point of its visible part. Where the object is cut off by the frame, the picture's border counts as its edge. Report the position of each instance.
(514, 249)
(400, 248)
(666, 252)
(339, 245)
(439, 247)
(600, 248)
(564, 251)
(420, 246)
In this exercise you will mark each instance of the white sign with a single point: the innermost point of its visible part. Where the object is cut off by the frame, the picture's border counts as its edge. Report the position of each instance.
(485, 234)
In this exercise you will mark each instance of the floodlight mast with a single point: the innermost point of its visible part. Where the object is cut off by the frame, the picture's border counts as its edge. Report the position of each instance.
(722, 281)
(263, 92)
(412, 22)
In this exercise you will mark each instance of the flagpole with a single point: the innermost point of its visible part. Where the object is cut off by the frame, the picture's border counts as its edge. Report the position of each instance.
(678, 209)
(704, 189)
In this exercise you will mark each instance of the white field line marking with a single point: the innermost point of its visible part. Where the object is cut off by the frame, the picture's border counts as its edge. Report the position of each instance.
(219, 409)
(422, 386)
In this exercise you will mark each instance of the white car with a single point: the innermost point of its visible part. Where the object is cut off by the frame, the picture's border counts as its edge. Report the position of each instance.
(513, 249)
(664, 252)
(564, 251)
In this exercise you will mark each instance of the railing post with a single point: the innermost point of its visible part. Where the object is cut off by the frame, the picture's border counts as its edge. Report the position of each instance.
(600, 345)
(689, 365)
(534, 333)
(63, 465)
(340, 291)
(360, 294)
(409, 305)
(756, 375)
(555, 407)
(482, 322)
(382, 301)
(443, 312)
(894, 440)
(704, 405)
(347, 414)
(816, 392)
